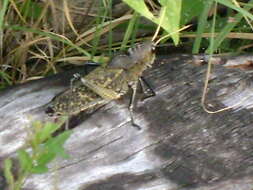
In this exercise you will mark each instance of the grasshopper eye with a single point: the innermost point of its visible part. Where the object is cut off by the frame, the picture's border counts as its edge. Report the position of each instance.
(153, 48)
(49, 111)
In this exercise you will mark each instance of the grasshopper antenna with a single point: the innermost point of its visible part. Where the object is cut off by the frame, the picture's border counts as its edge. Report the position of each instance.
(168, 35)
(134, 87)
(160, 23)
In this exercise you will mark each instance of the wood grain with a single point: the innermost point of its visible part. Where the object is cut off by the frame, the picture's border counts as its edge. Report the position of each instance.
(180, 146)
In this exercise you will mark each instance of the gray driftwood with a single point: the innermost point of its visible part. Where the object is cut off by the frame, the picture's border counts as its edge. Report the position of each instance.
(180, 146)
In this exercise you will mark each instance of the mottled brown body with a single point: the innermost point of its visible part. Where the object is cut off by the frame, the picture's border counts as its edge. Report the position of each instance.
(104, 83)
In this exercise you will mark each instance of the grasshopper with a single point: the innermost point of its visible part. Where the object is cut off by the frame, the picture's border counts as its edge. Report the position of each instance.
(106, 83)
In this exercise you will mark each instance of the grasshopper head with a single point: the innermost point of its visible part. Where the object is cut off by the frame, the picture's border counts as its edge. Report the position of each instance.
(143, 53)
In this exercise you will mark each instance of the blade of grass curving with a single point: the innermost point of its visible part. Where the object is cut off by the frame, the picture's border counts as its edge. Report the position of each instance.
(135, 29)
(202, 21)
(245, 17)
(25, 8)
(89, 35)
(13, 4)
(243, 11)
(100, 19)
(42, 15)
(8, 173)
(232, 35)
(162, 15)
(209, 66)
(110, 33)
(68, 17)
(6, 77)
(129, 30)
(230, 25)
(53, 36)
(2, 14)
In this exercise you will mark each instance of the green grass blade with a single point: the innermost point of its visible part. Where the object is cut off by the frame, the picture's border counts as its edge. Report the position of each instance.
(2, 12)
(211, 50)
(129, 30)
(243, 11)
(201, 26)
(135, 29)
(25, 8)
(102, 13)
(4, 5)
(6, 77)
(229, 27)
(8, 173)
(110, 33)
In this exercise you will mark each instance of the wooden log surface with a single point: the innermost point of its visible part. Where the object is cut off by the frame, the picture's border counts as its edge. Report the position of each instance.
(180, 146)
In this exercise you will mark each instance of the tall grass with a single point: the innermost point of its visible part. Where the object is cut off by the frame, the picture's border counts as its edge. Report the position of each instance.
(40, 38)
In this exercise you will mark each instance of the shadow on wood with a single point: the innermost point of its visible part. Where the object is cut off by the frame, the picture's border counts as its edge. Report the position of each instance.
(179, 146)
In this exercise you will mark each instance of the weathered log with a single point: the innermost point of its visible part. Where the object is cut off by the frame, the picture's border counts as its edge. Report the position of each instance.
(179, 146)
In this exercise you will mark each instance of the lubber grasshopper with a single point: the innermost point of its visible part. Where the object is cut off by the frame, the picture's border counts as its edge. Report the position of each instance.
(106, 83)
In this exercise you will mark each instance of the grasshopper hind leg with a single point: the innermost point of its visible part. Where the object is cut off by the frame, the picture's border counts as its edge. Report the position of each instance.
(132, 105)
(146, 90)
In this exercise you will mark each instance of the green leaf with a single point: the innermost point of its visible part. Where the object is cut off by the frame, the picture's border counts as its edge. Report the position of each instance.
(25, 160)
(45, 157)
(8, 174)
(191, 9)
(171, 22)
(202, 22)
(46, 132)
(55, 145)
(39, 169)
(140, 7)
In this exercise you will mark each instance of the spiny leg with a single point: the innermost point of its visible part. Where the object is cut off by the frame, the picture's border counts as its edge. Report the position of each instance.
(146, 88)
(131, 106)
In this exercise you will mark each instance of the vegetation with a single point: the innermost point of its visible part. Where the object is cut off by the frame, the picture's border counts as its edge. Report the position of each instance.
(40, 149)
(38, 38)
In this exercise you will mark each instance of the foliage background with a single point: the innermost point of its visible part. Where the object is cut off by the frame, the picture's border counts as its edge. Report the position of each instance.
(39, 38)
